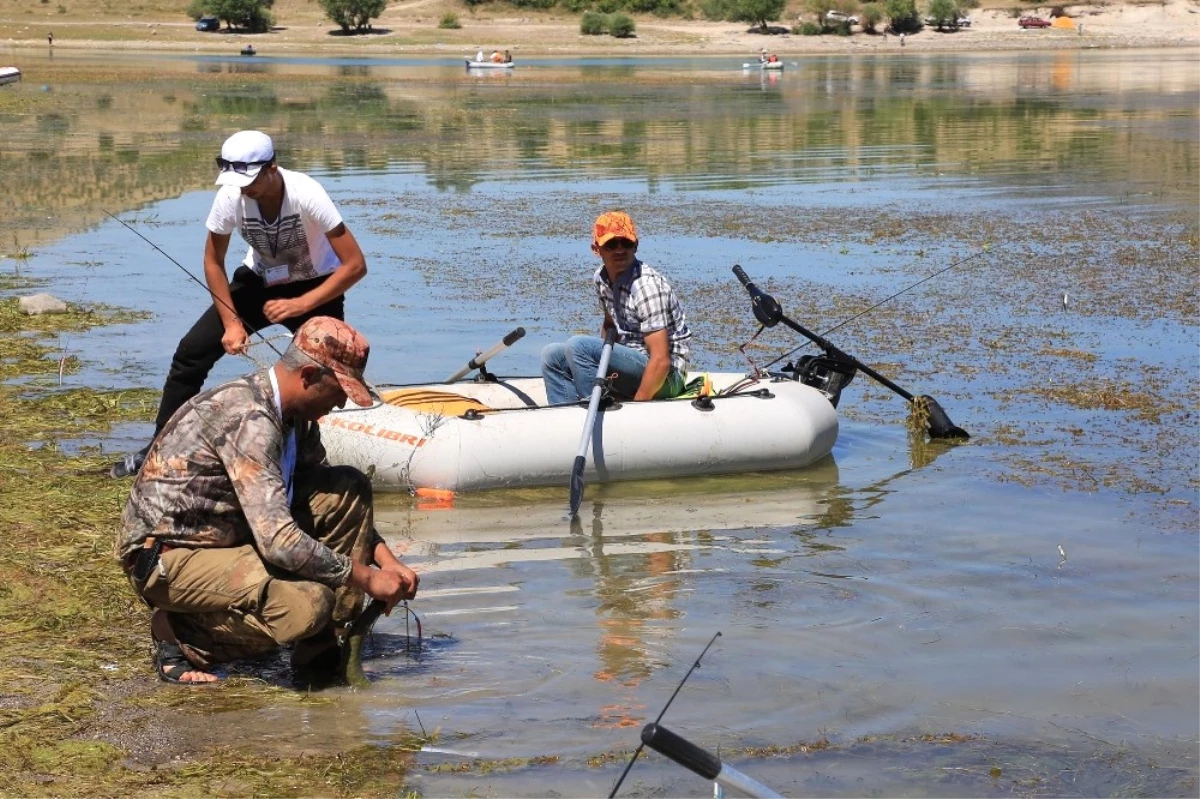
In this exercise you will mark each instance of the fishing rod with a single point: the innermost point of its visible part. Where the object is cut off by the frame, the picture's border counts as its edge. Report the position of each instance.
(769, 313)
(704, 763)
(195, 279)
(986, 249)
(679, 687)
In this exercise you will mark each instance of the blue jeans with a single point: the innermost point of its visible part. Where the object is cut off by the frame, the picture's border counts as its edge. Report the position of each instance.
(570, 368)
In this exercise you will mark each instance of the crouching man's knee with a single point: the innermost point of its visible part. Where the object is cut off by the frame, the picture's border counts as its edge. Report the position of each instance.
(297, 610)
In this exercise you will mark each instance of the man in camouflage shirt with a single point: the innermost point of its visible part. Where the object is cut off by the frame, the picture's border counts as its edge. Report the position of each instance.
(237, 532)
(650, 355)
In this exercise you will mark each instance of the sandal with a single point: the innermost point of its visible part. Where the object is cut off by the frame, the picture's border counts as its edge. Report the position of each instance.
(170, 664)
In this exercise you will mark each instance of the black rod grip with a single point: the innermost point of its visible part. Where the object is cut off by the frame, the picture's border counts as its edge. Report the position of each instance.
(767, 311)
(516, 335)
(681, 750)
(742, 276)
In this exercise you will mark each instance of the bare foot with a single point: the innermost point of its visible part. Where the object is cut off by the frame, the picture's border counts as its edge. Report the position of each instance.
(173, 667)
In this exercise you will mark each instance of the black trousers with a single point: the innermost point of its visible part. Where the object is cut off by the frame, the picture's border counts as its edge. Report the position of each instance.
(200, 348)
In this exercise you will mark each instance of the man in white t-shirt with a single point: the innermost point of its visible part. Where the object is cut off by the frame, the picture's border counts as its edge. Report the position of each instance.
(301, 261)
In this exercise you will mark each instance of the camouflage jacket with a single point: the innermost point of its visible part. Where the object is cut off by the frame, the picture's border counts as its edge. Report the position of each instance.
(212, 479)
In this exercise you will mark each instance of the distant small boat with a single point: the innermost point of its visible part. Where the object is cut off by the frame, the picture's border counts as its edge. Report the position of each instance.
(9, 75)
(249, 50)
(489, 64)
(774, 66)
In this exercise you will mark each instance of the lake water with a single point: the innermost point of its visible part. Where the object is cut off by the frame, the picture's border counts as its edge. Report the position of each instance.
(1015, 615)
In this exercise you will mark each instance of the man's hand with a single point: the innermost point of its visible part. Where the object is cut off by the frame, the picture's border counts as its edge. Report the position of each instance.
(409, 578)
(386, 586)
(386, 560)
(235, 339)
(278, 310)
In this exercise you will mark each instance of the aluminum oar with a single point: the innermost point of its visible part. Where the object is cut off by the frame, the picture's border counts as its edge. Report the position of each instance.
(590, 424)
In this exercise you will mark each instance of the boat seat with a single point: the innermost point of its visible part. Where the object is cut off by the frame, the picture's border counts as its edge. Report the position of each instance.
(423, 400)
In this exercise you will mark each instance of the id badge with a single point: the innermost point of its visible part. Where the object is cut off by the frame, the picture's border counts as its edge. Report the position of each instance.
(276, 275)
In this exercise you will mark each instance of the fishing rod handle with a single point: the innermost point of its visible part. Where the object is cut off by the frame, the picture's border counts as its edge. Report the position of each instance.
(506, 342)
(681, 750)
(743, 277)
(767, 310)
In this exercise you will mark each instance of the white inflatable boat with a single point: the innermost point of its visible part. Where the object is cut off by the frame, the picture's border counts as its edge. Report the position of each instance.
(499, 432)
(471, 436)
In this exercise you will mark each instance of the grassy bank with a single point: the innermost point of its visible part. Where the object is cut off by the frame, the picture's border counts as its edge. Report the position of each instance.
(80, 711)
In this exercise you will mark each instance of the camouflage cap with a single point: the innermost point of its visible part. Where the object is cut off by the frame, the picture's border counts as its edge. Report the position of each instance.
(334, 344)
(613, 225)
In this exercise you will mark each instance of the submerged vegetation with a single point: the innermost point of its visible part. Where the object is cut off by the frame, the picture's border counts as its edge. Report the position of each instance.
(79, 702)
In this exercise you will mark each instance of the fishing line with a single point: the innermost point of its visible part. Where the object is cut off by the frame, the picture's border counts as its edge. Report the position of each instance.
(986, 249)
(195, 279)
(679, 687)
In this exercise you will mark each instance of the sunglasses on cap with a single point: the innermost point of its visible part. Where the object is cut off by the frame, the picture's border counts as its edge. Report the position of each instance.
(612, 244)
(241, 167)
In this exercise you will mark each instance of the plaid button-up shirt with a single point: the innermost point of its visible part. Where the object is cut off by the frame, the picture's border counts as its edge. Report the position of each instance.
(643, 302)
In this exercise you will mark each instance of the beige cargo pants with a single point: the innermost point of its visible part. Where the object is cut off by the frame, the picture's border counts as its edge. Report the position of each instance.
(225, 604)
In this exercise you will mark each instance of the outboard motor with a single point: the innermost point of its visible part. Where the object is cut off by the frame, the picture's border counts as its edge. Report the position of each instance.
(826, 373)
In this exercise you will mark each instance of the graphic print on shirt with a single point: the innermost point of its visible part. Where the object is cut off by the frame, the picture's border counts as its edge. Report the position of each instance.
(281, 242)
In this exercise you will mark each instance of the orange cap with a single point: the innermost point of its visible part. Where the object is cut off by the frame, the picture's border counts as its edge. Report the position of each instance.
(613, 225)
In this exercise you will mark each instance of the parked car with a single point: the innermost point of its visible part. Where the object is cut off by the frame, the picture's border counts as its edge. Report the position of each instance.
(961, 22)
(1033, 22)
(208, 24)
(840, 16)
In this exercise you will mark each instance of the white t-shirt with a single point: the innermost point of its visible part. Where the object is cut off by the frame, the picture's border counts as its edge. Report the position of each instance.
(293, 247)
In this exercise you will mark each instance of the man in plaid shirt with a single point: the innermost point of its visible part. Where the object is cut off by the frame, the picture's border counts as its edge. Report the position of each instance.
(650, 355)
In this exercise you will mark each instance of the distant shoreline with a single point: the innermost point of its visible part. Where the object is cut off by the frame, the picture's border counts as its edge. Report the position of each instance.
(411, 30)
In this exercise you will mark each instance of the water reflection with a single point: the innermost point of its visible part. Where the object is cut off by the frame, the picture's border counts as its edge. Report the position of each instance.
(630, 563)
(1097, 118)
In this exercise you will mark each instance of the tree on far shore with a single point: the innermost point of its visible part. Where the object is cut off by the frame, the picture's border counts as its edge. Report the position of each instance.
(356, 14)
(252, 15)
(759, 12)
(944, 13)
(903, 15)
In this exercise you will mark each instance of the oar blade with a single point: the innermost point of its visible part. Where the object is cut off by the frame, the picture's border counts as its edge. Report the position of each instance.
(577, 485)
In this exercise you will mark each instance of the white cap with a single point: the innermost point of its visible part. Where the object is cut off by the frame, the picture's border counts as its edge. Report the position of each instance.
(246, 147)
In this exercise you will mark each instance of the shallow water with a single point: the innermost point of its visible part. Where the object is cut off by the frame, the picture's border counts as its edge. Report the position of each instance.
(1037, 587)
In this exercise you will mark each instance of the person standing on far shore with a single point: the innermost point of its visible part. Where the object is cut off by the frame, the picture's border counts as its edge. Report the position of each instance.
(902, 40)
(50, 38)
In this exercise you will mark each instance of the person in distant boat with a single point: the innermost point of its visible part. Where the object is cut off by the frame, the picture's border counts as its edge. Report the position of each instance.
(479, 57)
(508, 56)
(650, 355)
(762, 56)
(497, 58)
(301, 261)
(239, 534)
